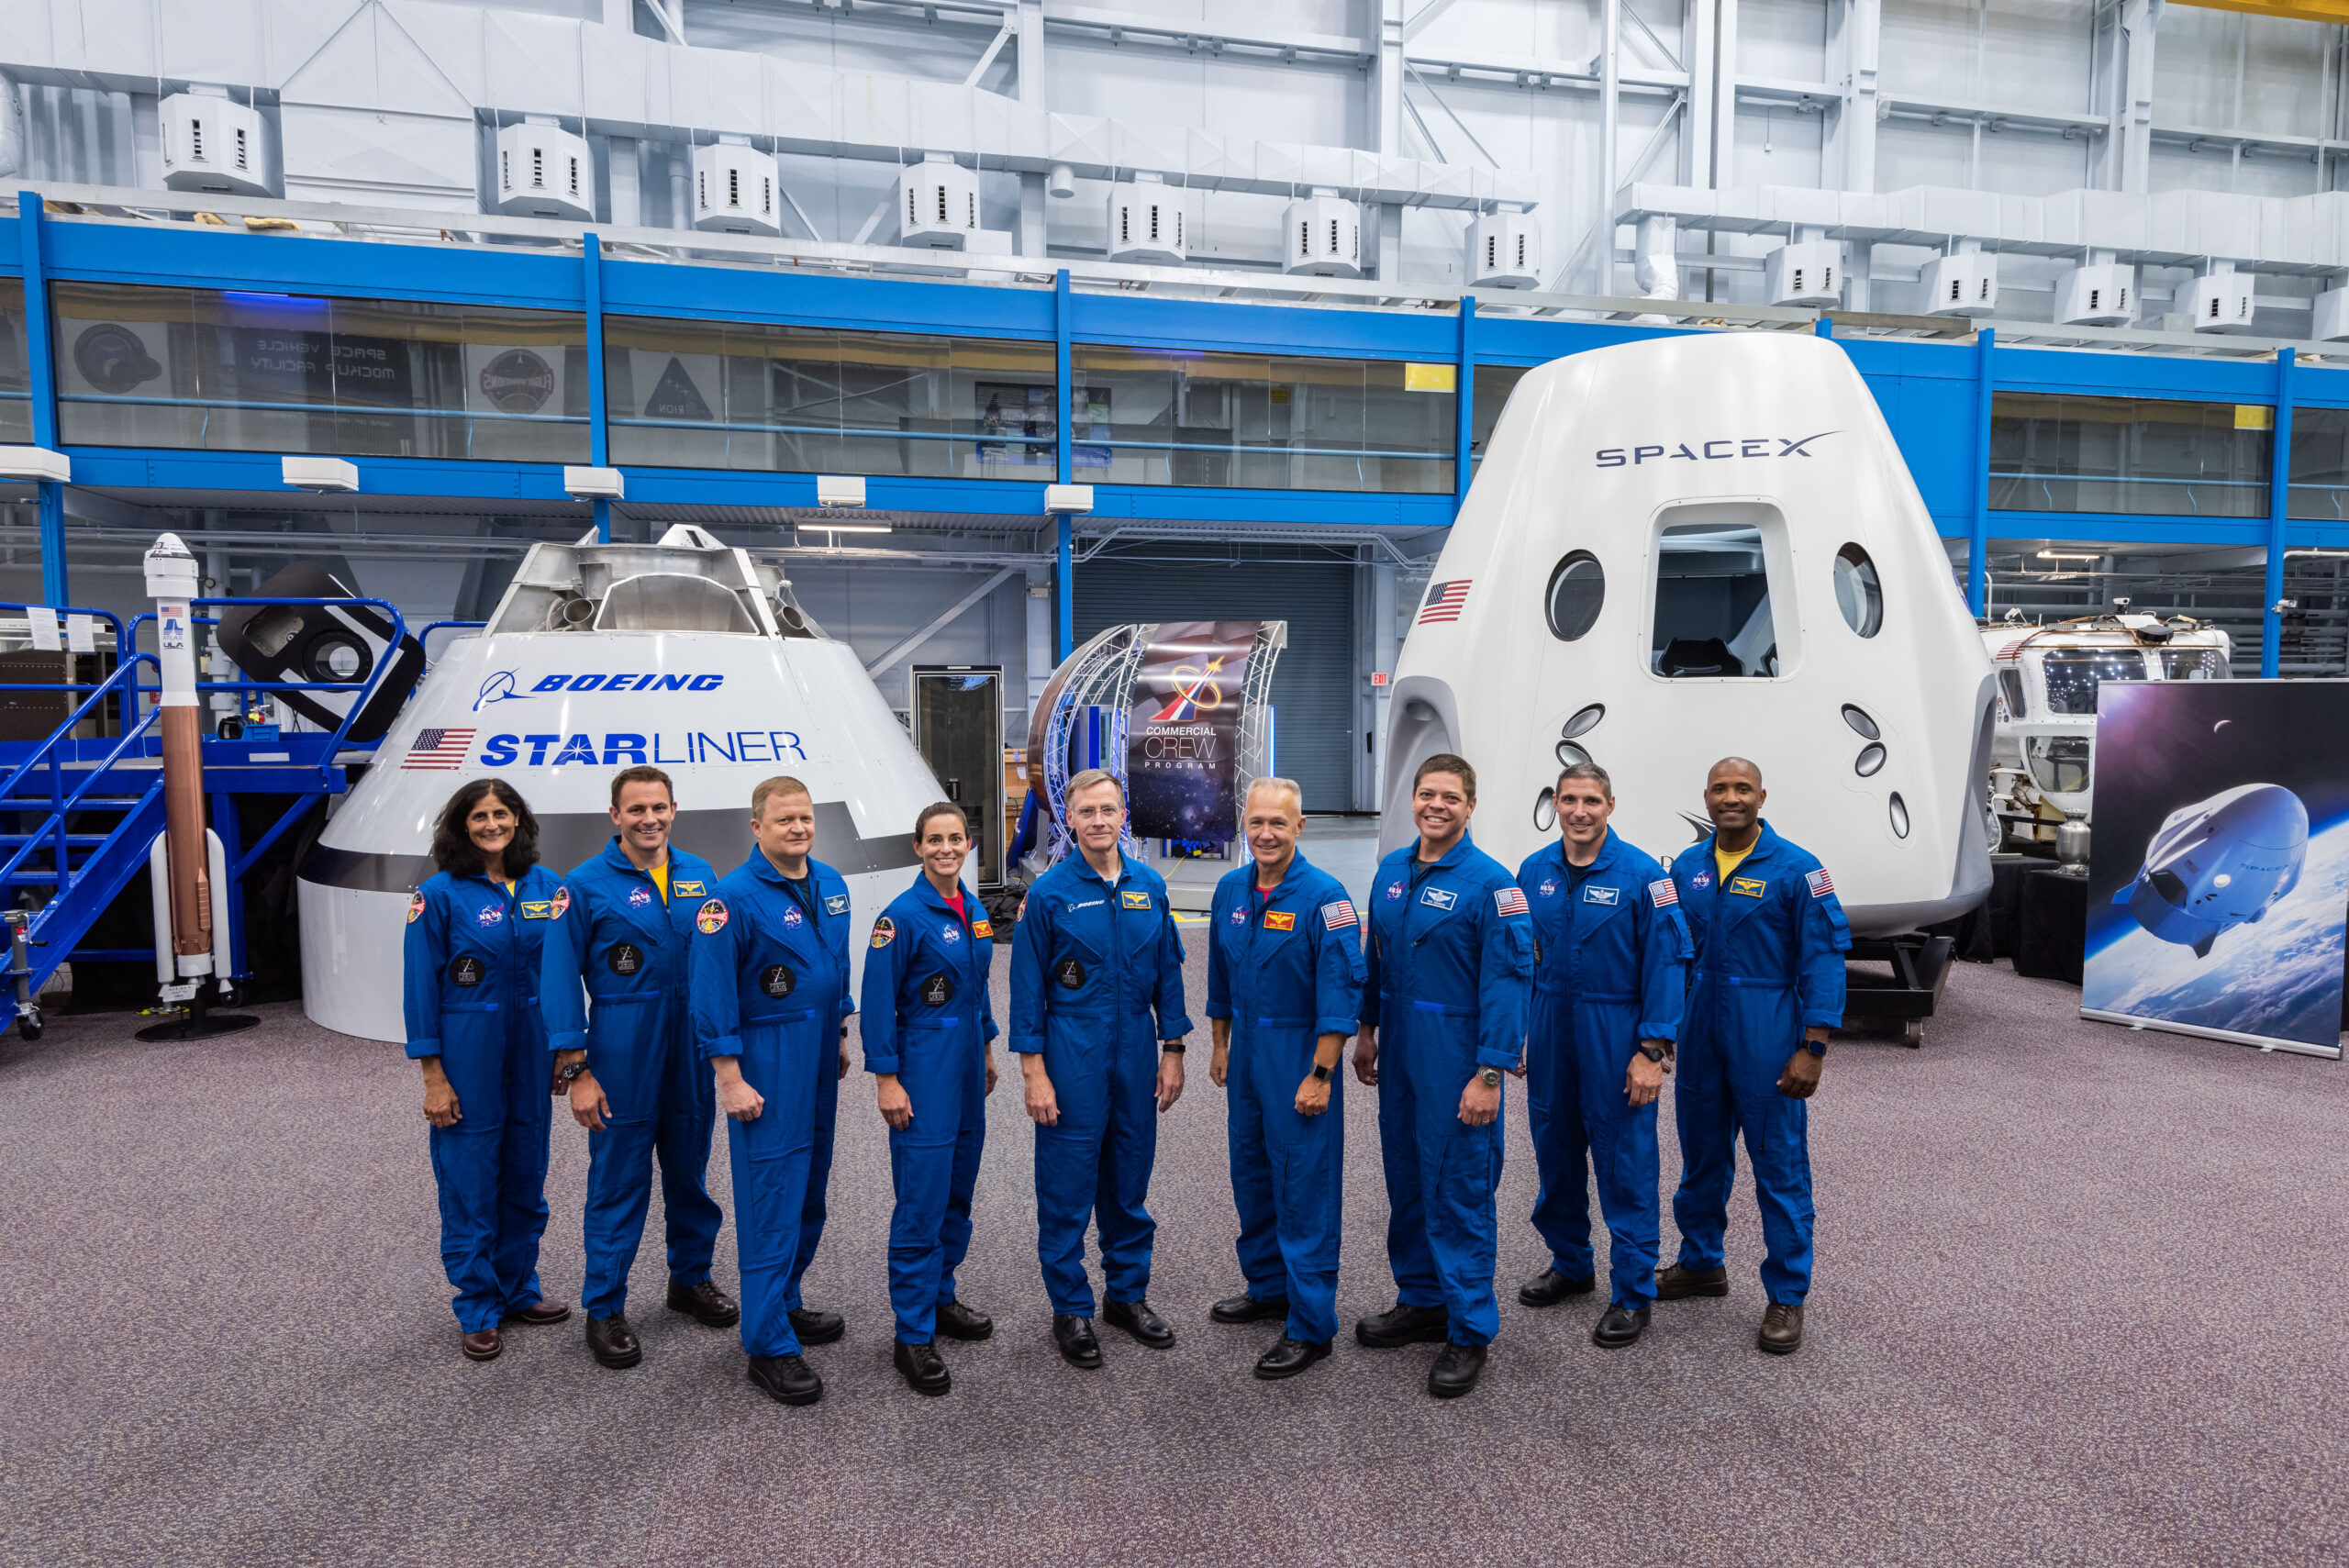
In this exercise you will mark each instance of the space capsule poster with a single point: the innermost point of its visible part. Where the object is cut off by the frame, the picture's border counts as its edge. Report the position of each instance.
(1182, 731)
(2218, 888)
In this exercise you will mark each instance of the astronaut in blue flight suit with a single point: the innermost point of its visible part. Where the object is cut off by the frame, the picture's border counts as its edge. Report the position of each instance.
(1451, 957)
(1094, 956)
(927, 1032)
(1770, 939)
(1611, 973)
(624, 1045)
(770, 1003)
(469, 994)
(1285, 974)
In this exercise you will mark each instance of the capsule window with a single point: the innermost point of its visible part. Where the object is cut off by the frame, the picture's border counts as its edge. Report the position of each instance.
(1578, 589)
(1858, 592)
(1713, 604)
(1899, 808)
(1546, 810)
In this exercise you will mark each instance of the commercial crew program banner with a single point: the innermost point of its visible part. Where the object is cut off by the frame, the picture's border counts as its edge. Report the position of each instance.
(1182, 731)
(2218, 888)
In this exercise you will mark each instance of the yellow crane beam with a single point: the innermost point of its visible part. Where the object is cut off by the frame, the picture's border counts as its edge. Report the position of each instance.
(2290, 10)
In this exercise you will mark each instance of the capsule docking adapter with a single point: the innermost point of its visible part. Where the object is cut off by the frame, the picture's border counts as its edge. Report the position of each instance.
(187, 867)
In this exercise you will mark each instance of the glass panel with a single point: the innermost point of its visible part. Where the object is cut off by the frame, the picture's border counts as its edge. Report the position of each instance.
(2320, 464)
(15, 379)
(1713, 604)
(223, 370)
(2010, 693)
(2073, 674)
(2055, 452)
(1578, 589)
(2193, 664)
(2059, 763)
(1173, 416)
(1494, 384)
(1857, 593)
(811, 400)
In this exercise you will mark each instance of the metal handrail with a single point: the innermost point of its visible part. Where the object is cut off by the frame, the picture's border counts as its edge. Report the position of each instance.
(108, 616)
(60, 804)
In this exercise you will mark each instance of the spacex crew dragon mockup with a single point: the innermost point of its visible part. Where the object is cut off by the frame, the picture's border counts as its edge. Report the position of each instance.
(1701, 546)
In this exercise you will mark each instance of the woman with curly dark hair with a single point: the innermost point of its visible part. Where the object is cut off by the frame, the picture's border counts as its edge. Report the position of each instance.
(474, 932)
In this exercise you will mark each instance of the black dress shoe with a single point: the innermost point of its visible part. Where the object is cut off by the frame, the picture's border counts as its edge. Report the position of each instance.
(1550, 1287)
(612, 1342)
(1288, 1357)
(541, 1313)
(788, 1379)
(817, 1327)
(1619, 1326)
(1074, 1338)
(1456, 1368)
(707, 1304)
(1136, 1319)
(1674, 1283)
(1248, 1309)
(922, 1368)
(957, 1322)
(1403, 1325)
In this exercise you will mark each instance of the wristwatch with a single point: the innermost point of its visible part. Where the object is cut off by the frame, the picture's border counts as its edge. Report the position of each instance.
(572, 1070)
(1816, 1047)
(1489, 1077)
(1321, 1073)
(1173, 1046)
(1656, 1049)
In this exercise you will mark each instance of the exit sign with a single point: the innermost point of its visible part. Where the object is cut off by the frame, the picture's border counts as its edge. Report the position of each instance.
(1379, 677)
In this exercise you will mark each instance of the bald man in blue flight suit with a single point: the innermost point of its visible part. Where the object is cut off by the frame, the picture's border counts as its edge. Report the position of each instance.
(1094, 958)
(624, 922)
(1612, 972)
(1770, 939)
(1284, 974)
(1450, 960)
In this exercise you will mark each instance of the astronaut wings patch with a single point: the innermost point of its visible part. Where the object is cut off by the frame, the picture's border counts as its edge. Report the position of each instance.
(1663, 893)
(1821, 885)
(1510, 900)
(1339, 916)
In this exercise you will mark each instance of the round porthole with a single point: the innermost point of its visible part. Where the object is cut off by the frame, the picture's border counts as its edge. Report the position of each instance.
(1577, 588)
(1858, 592)
(1900, 816)
(1859, 720)
(1571, 755)
(337, 655)
(1584, 721)
(1545, 811)
(1870, 760)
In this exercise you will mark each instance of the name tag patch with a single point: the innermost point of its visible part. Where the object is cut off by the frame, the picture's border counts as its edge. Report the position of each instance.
(1280, 919)
(836, 904)
(1135, 900)
(1593, 893)
(689, 889)
(538, 910)
(1439, 897)
(1748, 886)
(982, 929)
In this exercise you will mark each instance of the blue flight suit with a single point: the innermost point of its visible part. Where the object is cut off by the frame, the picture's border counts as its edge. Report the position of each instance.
(633, 948)
(1090, 964)
(1612, 970)
(1450, 962)
(769, 988)
(470, 996)
(928, 1019)
(1285, 972)
(1770, 949)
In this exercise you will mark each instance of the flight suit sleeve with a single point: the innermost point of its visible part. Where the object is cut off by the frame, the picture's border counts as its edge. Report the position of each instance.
(718, 1008)
(562, 998)
(1821, 939)
(1503, 980)
(1218, 977)
(885, 971)
(1338, 968)
(987, 1030)
(1664, 952)
(1174, 1011)
(840, 956)
(1031, 934)
(425, 946)
(1369, 975)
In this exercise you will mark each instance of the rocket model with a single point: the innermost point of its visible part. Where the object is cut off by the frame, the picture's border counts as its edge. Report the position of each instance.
(1697, 547)
(684, 654)
(2220, 863)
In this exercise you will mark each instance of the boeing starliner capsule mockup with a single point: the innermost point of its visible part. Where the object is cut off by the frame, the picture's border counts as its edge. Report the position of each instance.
(1698, 547)
(2219, 863)
(686, 654)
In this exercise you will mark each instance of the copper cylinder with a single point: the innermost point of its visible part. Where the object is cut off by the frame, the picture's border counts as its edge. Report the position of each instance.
(186, 855)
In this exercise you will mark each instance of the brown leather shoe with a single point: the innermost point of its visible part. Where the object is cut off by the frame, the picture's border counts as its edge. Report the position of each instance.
(1674, 1283)
(540, 1312)
(484, 1346)
(612, 1342)
(1781, 1332)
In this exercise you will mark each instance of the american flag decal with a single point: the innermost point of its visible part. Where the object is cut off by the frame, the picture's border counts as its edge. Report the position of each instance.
(1821, 885)
(1339, 916)
(1445, 601)
(1663, 893)
(440, 749)
(1510, 900)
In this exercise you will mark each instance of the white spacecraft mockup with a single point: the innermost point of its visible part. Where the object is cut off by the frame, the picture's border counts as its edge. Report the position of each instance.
(2220, 863)
(686, 654)
(1696, 547)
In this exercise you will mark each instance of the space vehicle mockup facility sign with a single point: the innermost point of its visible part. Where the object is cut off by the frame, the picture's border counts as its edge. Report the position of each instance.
(2218, 894)
(1182, 729)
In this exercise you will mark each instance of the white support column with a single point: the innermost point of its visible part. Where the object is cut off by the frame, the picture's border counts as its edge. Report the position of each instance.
(1610, 115)
(1696, 137)
(1861, 31)
(1031, 51)
(627, 202)
(1724, 87)
(1387, 121)
(2138, 19)
(1031, 215)
(1040, 632)
(1385, 647)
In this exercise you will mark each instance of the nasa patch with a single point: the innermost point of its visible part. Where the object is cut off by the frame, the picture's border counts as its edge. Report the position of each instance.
(625, 959)
(1393, 890)
(1549, 886)
(792, 918)
(489, 916)
(414, 906)
(937, 991)
(1239, 917)
(710, 919)
(689, 889)
(885, 931)
(777, 981)
(638, 897)
(950, 933)
(1439, 897)
(836, 904)
(466, 970)
(1593, 893)
(1280, 919)
(1703, 879)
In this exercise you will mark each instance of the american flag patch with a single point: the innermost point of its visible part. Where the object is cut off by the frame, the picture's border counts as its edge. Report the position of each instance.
(1510, 900)
(1821, 885)
(1445, 601)
(439, 749)
(1663, 894)
(1338, 917)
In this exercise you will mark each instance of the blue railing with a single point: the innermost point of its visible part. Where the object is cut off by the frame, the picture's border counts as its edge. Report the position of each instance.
(62, 804)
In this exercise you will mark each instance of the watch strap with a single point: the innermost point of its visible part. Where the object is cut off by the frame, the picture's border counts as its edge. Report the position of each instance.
(1320, 1073)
